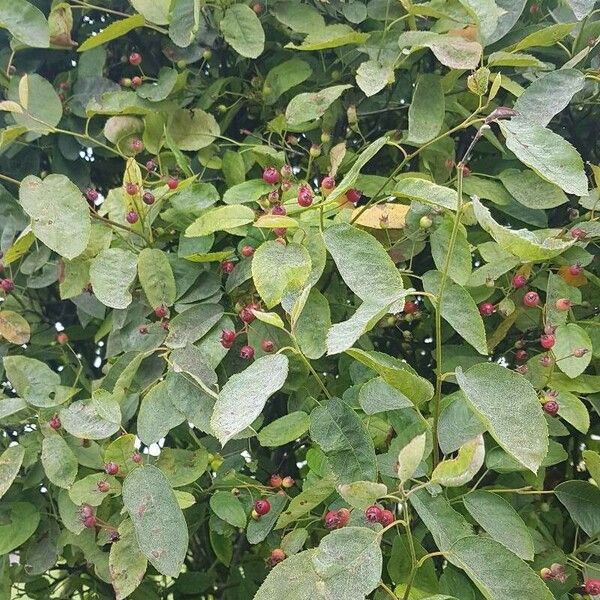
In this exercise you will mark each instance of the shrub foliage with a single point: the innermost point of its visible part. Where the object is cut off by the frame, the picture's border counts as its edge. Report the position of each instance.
(299, 300)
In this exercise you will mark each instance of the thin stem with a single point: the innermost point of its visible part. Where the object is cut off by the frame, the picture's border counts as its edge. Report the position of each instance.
(96, 216)
(297, 350)
(387, 590)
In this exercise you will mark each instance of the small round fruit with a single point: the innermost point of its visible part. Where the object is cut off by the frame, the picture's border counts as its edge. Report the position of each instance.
(247, 251)
(270, 175)
(531, 299)
(373, 514)
(148, 198)
(267, 345)
(353, 195)
(486, 309)
(160, 311)
(85, 510)
(546, 574)
(521, 355)
(258, 8)
(546, 361)
(207, 54)
(519, 280)
(563, 304)
(547, 340)
(551, 407)
(111, 468)
(280, 231)
(89, 522)
(575, 269)
(592, 587)
(328, 182)
(55, 423)
(136, 81)
(7, 285)
(305, 196)
(275, 481)
(131, 189)
(580, 352)
(279, 210)
(315, 151)
(137, 145)
(425, 222)
(227, 266)
(135, 58)
(286, 171)
(103, 486)
(247, 352)
(578, 233)
(262, 507)
(278, 554)
(136, 457)
(125, 82)
(132, 217)
(288, 482)
(325, 137)
(91, 194)
(143, 329)
(344, 516)
(246, 315)
(227, 338)
(172, 183)
(387, 517)
(410, 307)
(151, 165)
(62, 338)
(332, 520)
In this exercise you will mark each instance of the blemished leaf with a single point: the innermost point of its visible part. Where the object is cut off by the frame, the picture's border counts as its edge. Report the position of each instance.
(126, 562)
(285, 429)
(243, 31)
(113, 31)
(547, 153)
(452, 51)
(184, 21)
(297, 574)
(160, 527)
(330, 36)
(309, 106)
(361, 494)
(14, 328)
(193, 129)
(59, 214)
(19, 520)
(156, 277)
(244, 395)
(426, 111)
(531, 190)
(501, 521)
(182, 467)
(458, 471)
(284, 77)
(220, 218)
(10, 463)
(570, 338)
(410, 457)
(159, 90)
(581, 8)
(377, 396)
(227, 507)
(86, 419)
(59, 462)
(582, 500)
(86, 490)
(519, 428)
(427, 192)
(26, 22)
(305, 501)
(459, 267)
(157, 415)
(112, 286)
(459, 310)
(193, 324)
(372, 77)
(34, 381)
(279, 269)
(311, 325)
(339, 432)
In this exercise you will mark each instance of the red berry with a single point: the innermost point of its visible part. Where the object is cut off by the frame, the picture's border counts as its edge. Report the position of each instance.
(131, 189)
(546, 361)
(563, 304)
(228, 337)
(546, 574)
(89, 522)
(55, 423)
(354, 195)
(387, 517)
(135, 58)
(277, 556)
(547, 341)
(305, 196)
(270, 175)
(143, 329)
(267, 345)
(91, 194)
(288, 482)
(85, 510)
(332, 520)
(410, 307)
(151, 165)
(136, 81)
(273, 196)
(258, 9)
(160, 311)
(172, 183)
(275, 481)
(534, 8)
(262, 507)
(111, 468)
(466, 171)
(344, 516)
(531, 299)
(521, 355)
(62, 338)
(132, 217)
(137, 145)
(136, 457)
(286, 171)
(575, 270)
(246, 314)
(486, 309)
(580, 352)
(227, 266)
(373, 514)
(519, 280)
(578, 233)
(280, 231)
(328, 182)
(592, 587)
(103, 486)
(551, 407)
(247, 352)
(247, 251)
(148, 198)
(7, 285)
(279, 210)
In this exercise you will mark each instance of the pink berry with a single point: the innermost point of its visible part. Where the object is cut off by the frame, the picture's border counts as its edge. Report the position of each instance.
(131, 189)
(305, 196)
(172, 183)
(592, 587)
(275, 481)
(91, 194)
(580, 352)
(546, 574)
(547, 341)
(328, 182)
(522, 369)
(89, 522)
(247, 352)
(332, 520)
(160, 311)
(578, 233)
(551, 407)
(85, 510)
(151, 165)
(354, 195)
(546, 361)
(373, 514)
(111, 468)
(387, 517)
(410, 307)
(135, 58)
(247, 251)
(531, 299)
(132, 217)
(136, 457)
(280, 231)
(486, 309)
(262, 507)
(136, 81)
(137, 145)
(227, 266)
(277, 555)
(273, 197)
(575, 270)
(279, 210)
(267, 345)
(246, 315)
(7, 285)
(563, 304)
(288, 482)
(270, 175)
(55, 422)
(521, 355)
(519, 280)
(103, 486)
(148, 198)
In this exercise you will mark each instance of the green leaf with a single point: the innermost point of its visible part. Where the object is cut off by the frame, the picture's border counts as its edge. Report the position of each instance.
(531, 190)
(285, 429)
(547, 153)
(581, 8)
(156, 416)
(156, 277)
(220, 218)
(330, 36)
(372, 77)
(397, 373)
(85, 490)
(279, 269)
(377, 396)
(458, 423)
(518, 427)
(459, 267)
(501, 521)
(87, 418)
(259, 529)
(59, 214)
(284, 77)
(427, 192)
(309, 498)
(527, 245)
(193, 129)
(301, 18)
(458, 471)
(113, 31)
(160, 526)
(296, 574)
(155, 11)
(227, 507)
(25, 22)
(184, 22)
(182, 467)
(111, 283)
(452, 51)
(592, 463)
(582, 500)
(311, 326)
(513, 59)
(193, 324)
(572, 337)
(59, 462)
(309, 106)
(35, 382)
(243, 31)
(14, 328)
(349, 562)
(18, 522)
(410, 457)
(459, 310)
(487, 563)
(549, 95)
(10, 463)
(120, 451)
(544, 37)
(159, 90)
(127, 564)
(339, 432)
(248, 191)
(245, 394)
(427, 109)
(361, 494)
(573, 410)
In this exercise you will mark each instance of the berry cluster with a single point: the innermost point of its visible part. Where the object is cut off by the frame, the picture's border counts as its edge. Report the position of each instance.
(376, 514)
(276, 481)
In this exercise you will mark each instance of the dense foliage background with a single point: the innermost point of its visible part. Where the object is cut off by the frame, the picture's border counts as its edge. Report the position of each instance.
(299, 300)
